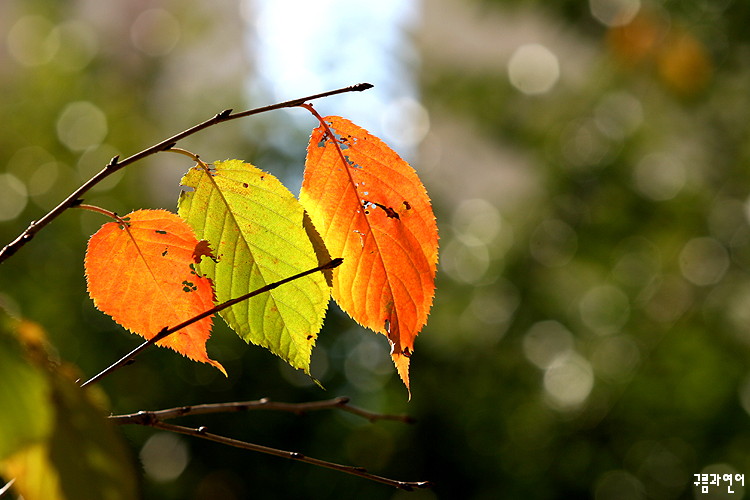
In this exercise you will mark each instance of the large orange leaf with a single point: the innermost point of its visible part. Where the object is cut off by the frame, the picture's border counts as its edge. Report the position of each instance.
(370, 208)
(143, 275)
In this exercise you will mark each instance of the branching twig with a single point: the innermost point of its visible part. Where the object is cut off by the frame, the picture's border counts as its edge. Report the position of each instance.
(165, 332)
(341, 403)
(156, 419)
(116, 164)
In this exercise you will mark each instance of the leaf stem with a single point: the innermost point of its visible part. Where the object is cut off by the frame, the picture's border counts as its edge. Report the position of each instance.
(116, 164)
(192, 156)
(167, 331)
(103, 211)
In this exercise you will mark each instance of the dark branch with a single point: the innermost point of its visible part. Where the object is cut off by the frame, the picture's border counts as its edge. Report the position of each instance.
(202, 433)
(157, 419)
(115, 164)
(341, 403)
(166, 332)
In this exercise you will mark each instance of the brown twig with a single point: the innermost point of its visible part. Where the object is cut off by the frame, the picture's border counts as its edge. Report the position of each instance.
(156, 419)
(116, 164)
(201, 432)
(167, 331)
(340, 403)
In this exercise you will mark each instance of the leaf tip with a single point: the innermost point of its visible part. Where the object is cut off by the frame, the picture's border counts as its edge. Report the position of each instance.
(401, 360)
(217, 365)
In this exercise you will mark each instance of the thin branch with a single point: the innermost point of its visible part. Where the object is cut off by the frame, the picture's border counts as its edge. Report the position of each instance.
(166, 332)
(116, 164)
(201, 432)
(156, 419)
(340, 403)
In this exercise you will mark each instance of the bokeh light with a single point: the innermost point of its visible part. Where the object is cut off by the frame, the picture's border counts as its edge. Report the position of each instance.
(155, 32)
(13, 197)
(614, 12)
(545, 342)
(33, 41)
(164, 456)
(81, 125)
(568, 380)
(533, 69)
(704, 261)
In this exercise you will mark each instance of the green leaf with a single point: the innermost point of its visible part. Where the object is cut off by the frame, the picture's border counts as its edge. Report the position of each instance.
(255, 228)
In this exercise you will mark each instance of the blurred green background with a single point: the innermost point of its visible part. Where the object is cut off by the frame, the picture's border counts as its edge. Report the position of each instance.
(588, 163)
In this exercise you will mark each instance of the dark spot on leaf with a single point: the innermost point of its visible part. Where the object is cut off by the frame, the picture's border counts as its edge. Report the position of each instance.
(189, 286)
(367, 212)
(309, 337)
(202, 249)
(245, 184)
(389, 212)
(406, 205)
(351, 162)
(392, 214)
(159, 231)
(164, 253)
(262, 177)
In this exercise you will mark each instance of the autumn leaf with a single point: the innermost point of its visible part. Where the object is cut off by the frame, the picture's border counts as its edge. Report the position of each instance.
(143, 275)
(255, 226)
(370, 208)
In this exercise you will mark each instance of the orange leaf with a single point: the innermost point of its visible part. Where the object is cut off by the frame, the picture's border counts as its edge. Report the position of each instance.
(370, 208)
(143, 276)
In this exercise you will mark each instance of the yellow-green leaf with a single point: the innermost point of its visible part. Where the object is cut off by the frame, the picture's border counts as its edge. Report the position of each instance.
(255, 228)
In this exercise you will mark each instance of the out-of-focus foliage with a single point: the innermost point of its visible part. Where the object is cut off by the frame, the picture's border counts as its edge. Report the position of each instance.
(46, 416)
(600, 302)
(588, 162)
